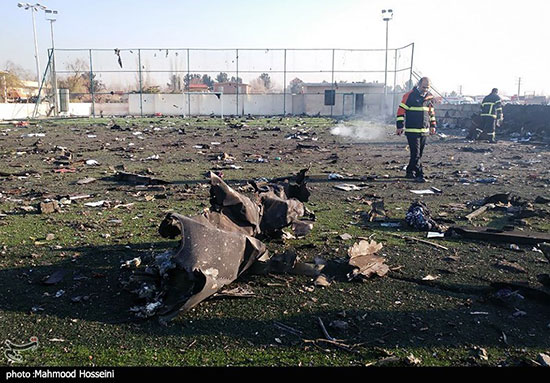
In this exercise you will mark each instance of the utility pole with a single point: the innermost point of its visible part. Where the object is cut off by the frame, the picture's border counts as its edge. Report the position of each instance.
(519, 87)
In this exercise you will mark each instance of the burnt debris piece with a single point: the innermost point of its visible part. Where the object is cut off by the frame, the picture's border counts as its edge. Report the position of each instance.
(216, 246)
(138, 179)
(496, 235)
(419, 217)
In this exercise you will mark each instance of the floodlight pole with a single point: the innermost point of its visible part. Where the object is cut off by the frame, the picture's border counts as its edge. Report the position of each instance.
(35, 47)
(387, 15)
(33, 9)
(50, 16)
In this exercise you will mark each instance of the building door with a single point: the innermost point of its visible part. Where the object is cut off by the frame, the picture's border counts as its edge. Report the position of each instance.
(359, 103)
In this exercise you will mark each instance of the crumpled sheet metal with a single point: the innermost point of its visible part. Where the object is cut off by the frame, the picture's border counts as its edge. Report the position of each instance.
(279, 212)
(208, 264)
(237, 207)
(216, 247)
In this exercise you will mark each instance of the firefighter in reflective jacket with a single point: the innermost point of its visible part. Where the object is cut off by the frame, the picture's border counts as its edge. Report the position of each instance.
(416, 117)
(491, 116)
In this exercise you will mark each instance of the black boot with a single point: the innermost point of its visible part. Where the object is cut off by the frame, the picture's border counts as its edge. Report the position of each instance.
(420, 179)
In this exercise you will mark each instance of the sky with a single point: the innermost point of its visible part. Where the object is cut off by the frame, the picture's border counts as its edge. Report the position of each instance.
(473, 45)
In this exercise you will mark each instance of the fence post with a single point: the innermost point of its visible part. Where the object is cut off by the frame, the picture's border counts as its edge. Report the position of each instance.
(188, 83)
(140, 85)
(92, 84)
(332, 82)
(237, 79)
(411, 71)
(394, 83)
(284, 86)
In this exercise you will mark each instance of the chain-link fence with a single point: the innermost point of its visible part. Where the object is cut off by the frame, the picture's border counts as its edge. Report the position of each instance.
(225, 81)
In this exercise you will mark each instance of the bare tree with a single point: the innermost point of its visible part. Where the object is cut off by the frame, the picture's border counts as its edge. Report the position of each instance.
(18, 71)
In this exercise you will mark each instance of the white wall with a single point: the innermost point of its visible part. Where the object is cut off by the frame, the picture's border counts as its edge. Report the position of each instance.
(111, 109)
(15, 111)
(206, 104)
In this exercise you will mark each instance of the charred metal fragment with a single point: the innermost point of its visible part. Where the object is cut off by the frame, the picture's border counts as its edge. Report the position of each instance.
(489, 234)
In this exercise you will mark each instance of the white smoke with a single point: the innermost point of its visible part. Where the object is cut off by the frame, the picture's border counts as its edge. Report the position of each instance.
(360, 130)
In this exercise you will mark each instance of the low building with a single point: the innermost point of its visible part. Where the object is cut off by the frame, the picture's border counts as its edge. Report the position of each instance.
(231, 87)
(350, 98)
(198, 88)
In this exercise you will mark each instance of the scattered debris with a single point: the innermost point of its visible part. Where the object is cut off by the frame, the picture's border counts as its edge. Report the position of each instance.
(85, 181)
(412, 360)
(96, 204)
(510, 266)
(432, 190)
(479, 353)
(347, 187)
(489, 180)
(543, 359)
(479, 211)
(216, 246)
(335, 176)
(139, 179)
(54, 278)
(322, 281)
(302, 228)
(419, 217)
(409, 238)
(65, 170)
(324, 329)
(132, 263)
(49, 207)
(377, 212)
(237, 292)
(430, 278)
(490, 234)
(364, 261)
(339, 325)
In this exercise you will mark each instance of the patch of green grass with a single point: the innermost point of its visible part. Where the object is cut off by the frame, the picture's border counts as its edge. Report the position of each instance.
(393, 315)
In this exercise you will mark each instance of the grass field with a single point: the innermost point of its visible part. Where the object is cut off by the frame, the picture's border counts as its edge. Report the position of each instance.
(84, 320)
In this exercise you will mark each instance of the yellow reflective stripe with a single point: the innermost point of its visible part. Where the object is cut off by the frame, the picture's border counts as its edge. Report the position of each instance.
(432, 118)
(419, 108)
(492, 115)
(488, 103)
(416, 130)
(404, 106)
(400, 118)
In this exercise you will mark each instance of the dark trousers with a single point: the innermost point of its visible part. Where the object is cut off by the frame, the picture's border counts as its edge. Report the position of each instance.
(487, 128)
(416, 148)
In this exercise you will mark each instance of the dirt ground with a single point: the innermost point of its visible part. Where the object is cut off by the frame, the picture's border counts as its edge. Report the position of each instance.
(474, 303)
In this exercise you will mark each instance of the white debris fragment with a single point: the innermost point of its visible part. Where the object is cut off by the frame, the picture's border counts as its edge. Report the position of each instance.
(95, 204)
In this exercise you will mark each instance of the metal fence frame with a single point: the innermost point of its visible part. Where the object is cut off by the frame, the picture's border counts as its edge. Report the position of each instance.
(332, 71)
